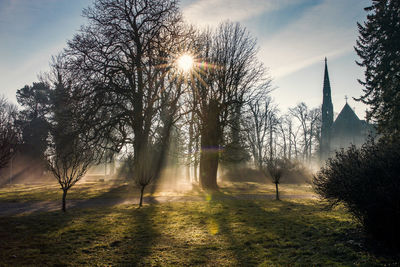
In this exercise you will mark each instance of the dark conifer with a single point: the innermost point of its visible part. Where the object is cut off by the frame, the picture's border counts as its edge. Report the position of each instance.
(378, 46)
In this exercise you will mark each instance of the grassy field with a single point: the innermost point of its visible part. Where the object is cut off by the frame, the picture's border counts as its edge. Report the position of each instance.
(122, 189)
(220, 231)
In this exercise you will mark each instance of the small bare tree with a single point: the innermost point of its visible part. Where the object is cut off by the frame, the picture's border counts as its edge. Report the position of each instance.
(275, 168)
(69, 165)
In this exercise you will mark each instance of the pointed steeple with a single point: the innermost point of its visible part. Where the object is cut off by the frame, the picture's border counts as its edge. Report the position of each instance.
(327, 115)
(327, 85)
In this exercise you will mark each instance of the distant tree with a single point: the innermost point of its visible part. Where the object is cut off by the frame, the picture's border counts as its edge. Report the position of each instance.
(260, 114)
(8, 132)
(285, 129)
(32, 119)
(378, 47)
(34, 99)
(275, 168)
(310, 124)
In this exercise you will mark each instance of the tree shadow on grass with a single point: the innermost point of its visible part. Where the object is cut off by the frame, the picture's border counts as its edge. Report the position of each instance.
(86, 234)
(287, 233)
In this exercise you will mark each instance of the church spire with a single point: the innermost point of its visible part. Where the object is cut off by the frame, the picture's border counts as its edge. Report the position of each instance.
(327, 115)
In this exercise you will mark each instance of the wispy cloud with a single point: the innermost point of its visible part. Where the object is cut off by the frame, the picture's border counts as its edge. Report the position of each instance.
(328, 29)
(211, 12)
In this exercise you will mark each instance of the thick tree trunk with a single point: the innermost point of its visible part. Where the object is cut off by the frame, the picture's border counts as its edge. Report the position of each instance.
(64, 197)
(276, 191)
(141, 196)
(209, 155)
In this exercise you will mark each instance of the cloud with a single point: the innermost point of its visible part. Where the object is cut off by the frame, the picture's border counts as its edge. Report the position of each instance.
(328, 29)
(211, 12)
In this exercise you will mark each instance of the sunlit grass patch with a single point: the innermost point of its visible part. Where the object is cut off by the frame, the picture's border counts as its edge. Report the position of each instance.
(224, 232)
(266, 188)
(82, 190)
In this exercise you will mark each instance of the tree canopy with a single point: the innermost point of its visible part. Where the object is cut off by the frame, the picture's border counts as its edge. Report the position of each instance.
(378, 46)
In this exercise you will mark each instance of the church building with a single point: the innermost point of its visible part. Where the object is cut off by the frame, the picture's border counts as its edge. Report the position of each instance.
(347, 129)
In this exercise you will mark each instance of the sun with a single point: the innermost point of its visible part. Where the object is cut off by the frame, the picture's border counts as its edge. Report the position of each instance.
(185, 63)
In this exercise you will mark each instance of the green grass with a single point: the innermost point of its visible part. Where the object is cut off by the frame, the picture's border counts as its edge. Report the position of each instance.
(218, 232)
(82, 190)
(123, 189)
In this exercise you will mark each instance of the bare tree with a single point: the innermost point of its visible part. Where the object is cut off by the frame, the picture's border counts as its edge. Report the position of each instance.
(229, 74)
(309, 120)
(69, 154)
(258, 123)
(126, 57)
(275, 168)
(8, 132)
(69, 164)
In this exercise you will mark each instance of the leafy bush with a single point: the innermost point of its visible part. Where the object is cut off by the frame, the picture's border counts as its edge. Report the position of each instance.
(367, 181)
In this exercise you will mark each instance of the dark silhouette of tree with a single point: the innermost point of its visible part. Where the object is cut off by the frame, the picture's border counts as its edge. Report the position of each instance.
(378, 47)
(125, 58)
(8, 132)
(275, 168)
(32, 120)
(229, 74)
(152, 159)
(69, 154)
(366, 181)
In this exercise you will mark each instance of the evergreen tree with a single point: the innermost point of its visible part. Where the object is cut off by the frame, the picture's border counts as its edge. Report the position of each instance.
(32, 119)
(378, 46)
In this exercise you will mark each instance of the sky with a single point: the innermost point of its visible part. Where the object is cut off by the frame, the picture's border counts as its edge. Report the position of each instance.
(294, 37)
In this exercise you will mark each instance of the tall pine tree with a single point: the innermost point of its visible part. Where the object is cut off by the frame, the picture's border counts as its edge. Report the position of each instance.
(378, 46)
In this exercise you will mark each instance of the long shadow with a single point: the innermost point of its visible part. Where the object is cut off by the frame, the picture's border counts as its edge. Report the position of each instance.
(78, 231)
(131, 241)
(138, 239)
(286, 233)
(16, 176)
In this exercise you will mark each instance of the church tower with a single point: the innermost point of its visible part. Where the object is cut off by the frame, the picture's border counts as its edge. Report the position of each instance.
(327, 116)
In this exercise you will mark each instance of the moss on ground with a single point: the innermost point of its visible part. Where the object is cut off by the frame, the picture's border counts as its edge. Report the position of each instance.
(219, 232)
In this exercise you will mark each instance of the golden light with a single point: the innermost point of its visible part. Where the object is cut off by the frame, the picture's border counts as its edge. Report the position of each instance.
(185, 63)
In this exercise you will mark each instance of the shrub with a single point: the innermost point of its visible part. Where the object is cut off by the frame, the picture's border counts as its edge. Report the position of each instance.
(367, 181)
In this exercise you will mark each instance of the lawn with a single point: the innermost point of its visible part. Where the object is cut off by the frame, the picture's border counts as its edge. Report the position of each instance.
(221, 231)
(123, 189)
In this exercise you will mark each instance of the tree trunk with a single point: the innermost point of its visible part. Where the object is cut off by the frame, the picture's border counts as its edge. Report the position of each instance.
(190, 150)
(209, 155)
(196, 159)
(195, 167)
(141, 196)
(276, 191)
(64, 200)
(271, 151)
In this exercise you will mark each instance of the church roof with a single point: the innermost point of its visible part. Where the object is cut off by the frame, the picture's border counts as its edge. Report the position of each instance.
(347, 121)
